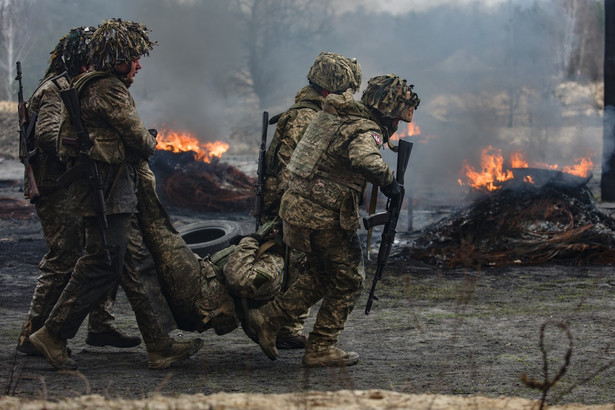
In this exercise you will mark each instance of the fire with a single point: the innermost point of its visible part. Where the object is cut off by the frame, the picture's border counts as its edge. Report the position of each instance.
(411, 130)
(494, 169)
(178, 141)
(582, 167)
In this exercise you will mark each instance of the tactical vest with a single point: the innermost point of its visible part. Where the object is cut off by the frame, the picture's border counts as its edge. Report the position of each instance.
(315, 170)
(108, 146)
(271, 156)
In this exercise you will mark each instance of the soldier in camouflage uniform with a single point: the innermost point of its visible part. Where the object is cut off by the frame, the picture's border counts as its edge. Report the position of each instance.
(207, 293)
(62, 230)
(330, 73)
(119, 141)
(337, 155)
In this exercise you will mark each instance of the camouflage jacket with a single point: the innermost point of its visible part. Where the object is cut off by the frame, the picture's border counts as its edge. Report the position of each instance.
(119, 139)
(289, 129)
(46, 102)
(338, 154)
(254, 271)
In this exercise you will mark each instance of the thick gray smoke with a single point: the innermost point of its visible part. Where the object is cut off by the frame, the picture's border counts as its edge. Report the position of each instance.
(487, 75)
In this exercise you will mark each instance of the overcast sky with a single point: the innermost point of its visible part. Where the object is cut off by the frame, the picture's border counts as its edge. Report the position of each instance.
(403, 6)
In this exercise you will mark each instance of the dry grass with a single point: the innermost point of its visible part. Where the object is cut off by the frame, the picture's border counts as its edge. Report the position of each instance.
(344, 399)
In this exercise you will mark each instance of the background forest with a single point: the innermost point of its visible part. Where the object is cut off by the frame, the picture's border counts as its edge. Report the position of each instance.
(509, 74)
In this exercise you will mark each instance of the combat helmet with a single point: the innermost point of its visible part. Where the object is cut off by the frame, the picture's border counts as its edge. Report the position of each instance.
(335, 73)
(390, 96)
(71, 52)
(117, 41)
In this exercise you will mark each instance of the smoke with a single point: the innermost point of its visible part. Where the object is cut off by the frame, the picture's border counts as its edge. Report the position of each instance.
(488, 73)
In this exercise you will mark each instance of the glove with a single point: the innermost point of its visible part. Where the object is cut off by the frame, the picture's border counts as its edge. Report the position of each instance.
(391, 190)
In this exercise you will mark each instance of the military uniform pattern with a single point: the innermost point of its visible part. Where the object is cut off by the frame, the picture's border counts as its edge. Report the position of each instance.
(325, 227)
(335, 274)
(118, 137)
(288, 133)
(196, 296)
(289, 129)
(252, 277)
(62, 230)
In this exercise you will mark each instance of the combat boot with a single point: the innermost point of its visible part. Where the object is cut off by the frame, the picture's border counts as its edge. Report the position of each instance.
(112, 337)
(290, 341)
(25, 346)
(162, 353)
(332, 357)
(264, 332)
(53, 348)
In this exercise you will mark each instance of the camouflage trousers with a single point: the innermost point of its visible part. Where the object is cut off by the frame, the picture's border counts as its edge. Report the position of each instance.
(198, 300)
(335, 274)
(132, 266)
(296, 268)
(63, 233)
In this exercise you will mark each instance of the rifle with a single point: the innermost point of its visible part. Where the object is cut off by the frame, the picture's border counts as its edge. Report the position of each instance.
(26, 139)
(388, 219)
(88, 168)
(260, 173)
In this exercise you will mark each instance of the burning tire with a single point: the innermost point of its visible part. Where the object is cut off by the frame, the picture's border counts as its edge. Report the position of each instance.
(208, 237)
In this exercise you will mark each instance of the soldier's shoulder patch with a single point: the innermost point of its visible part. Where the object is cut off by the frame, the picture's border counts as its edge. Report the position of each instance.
(377, 137)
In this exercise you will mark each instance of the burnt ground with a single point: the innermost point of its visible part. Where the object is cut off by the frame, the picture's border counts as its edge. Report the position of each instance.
(447, 331)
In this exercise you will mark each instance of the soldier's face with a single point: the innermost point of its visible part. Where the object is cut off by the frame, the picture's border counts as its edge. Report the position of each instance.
(130, 69)
(407, 114)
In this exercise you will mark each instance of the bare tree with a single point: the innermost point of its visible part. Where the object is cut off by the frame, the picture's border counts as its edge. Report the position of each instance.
(14, 41)
(274, 28)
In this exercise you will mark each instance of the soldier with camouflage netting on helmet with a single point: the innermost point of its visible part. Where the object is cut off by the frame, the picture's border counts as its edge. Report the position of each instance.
(119, 142)
(331, 73)
(328, 171)
(62, 230)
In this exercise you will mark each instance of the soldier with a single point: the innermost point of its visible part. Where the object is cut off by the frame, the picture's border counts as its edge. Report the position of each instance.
(62, 230)
(206, 293)
(337, 155)
(330, 73)
(119, 140)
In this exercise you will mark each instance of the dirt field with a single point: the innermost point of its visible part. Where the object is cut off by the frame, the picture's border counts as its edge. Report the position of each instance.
(459, 333)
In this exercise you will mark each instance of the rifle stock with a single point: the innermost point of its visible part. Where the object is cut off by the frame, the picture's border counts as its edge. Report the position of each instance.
(26, 136)
(389, 220)
(260, 173)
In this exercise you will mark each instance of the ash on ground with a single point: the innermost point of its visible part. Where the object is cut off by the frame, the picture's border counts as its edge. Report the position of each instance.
(519, 225)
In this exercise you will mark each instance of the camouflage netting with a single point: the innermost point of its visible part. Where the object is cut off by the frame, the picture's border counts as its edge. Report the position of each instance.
(119, 41)
(532, 225)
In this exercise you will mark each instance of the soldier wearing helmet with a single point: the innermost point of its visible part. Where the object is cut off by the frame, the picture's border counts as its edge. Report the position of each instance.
(61, 229)
(119, 144)
(331, 73)
(390, 99)
(328, 171)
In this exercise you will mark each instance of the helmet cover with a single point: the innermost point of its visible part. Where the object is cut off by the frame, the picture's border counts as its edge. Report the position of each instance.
(117, 41)
(335, 73)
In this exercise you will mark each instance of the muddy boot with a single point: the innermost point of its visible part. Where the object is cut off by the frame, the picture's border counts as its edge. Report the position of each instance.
(162, 353)
(113, 337)
(264, 332)
(24, 345)
(290, 341)
(53, 348)
(332, 357)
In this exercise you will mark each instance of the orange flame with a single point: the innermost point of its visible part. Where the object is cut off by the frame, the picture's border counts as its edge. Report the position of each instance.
(493, 169)
(412, 130)
(582, 167)
(183, 141)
